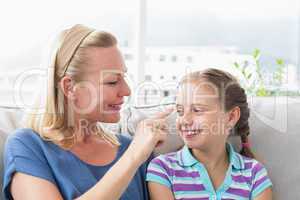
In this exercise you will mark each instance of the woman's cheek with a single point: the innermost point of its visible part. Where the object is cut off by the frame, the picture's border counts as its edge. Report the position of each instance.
(178, 124)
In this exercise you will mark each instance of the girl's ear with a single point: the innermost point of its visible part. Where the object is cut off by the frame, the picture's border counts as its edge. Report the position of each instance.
(67, 87)
(234, 116)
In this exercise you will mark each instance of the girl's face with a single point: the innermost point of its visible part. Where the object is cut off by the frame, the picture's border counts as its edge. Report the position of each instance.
(100, 96)
(201, 121)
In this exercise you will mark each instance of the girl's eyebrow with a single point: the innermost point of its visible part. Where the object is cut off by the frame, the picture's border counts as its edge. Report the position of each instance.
(199, 104)
(194, 104)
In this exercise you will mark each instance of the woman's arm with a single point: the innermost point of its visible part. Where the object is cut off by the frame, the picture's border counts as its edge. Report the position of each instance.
(25, 187)
(111, 186)
(158, 192)
(114, 182)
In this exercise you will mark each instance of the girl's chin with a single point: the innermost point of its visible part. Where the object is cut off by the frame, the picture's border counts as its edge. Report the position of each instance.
(194, 143)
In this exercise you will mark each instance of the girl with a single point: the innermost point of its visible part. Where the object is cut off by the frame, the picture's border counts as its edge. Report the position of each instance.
(210, 104)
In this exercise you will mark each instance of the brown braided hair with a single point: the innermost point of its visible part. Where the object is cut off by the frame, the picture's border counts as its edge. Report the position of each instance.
(231, 95)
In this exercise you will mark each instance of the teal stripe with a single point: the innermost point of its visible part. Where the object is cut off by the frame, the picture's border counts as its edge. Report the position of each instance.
(157, 179)
(195, 180)
(186, 193)
(233, 196)
(261, 172)
(262, 187)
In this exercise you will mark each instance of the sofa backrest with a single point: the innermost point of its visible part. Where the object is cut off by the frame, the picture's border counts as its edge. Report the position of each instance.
(275, 137)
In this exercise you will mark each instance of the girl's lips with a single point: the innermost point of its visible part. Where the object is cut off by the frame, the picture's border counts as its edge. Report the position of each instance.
(190, 133)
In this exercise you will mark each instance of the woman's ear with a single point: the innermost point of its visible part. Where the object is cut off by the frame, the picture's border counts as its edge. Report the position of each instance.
(234, 116)
(67, 87)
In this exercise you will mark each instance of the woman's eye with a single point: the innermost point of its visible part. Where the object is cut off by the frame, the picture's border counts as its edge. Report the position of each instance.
(180, 112)
(112, 83)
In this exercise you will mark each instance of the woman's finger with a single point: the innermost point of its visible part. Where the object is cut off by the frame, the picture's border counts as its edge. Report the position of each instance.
(164, 114)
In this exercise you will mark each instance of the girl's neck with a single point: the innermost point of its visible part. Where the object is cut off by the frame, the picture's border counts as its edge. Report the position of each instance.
(213, 158)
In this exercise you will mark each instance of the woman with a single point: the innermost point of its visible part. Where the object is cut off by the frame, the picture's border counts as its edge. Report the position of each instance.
(64, 154)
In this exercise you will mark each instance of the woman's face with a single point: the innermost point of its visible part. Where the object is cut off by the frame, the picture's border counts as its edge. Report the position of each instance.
(100, 95)
(201, 121)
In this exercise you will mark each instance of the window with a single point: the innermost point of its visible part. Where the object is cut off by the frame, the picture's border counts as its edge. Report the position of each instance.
(162, 58)
(128, 56)
(24, 39)
(174, 58)
(230, 35)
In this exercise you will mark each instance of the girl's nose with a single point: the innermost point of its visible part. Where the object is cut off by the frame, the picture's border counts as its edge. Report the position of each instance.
(186, 120)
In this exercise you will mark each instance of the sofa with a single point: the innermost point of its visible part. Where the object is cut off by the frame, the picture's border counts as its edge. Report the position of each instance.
(275, 137)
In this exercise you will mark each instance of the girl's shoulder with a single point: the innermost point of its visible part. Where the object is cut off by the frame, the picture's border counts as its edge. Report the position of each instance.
(167, 161)
(247, 163)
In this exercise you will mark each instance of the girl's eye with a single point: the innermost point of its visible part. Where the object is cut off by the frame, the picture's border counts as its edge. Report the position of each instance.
(198, 110)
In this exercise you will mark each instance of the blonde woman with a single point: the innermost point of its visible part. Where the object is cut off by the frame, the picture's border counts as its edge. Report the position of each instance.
(64, 154)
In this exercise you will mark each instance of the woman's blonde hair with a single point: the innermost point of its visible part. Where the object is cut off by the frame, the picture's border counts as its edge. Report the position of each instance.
(68, 58)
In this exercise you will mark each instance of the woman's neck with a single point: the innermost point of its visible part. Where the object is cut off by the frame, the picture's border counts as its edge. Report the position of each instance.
(86, 131)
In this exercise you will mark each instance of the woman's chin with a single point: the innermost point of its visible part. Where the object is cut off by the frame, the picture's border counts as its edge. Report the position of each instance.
(112, 118)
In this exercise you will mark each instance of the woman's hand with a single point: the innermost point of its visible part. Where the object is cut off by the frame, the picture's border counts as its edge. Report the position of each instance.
(149, 134)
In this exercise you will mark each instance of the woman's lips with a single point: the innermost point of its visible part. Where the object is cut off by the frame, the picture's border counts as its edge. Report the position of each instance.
(115, 107)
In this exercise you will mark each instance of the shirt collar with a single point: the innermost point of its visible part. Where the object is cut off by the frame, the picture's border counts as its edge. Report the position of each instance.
(188, 160)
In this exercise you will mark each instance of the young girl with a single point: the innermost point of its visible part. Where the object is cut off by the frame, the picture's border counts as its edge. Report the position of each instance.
(210, 104)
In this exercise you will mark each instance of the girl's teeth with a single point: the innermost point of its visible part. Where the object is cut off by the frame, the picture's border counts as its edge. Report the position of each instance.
(193, 132)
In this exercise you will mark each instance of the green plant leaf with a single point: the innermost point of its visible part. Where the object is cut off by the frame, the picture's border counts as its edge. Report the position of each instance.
(249, 76)
(256, 53)
(280, 62)
(236, 65)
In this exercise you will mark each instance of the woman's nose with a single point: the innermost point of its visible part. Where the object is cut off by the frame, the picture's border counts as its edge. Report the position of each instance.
(125, 89)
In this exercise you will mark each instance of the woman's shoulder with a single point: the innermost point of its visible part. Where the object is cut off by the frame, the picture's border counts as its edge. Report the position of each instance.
(25, 136)
(124, 140)
(26, 141)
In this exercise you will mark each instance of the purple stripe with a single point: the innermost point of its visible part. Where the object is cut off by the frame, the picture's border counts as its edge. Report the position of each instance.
(162, 164)
(241, 179)
(173, 172)
(248, 165)
(203, 198)
(188, 187)
(257, 168)
(260, 181)
(158, 174)
(240, 192)
(183, 174)
(171, 160)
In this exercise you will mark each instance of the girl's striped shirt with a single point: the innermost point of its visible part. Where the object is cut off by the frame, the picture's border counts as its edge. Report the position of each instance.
(188, 179)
